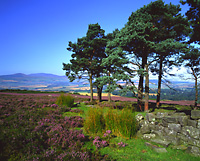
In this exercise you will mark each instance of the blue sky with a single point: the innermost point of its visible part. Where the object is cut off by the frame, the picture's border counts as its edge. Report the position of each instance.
(34, 34)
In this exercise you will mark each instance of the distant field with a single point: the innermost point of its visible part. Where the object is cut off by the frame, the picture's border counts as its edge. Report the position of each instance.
(95, 94)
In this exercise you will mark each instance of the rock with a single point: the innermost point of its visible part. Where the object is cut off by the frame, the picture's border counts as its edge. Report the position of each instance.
(156, 148)
(198, 124)
(148, 136)
(174, 127)
(161, 142)
(173, 140)
(180, 147)
(191, 132)
(179, 114)
(159, 134)
(192, 123)
(184, 139)
(169, 119)
(195, 114)
(161, 115)
(139, 117)
(144, 123)
(145, 129)
(194, 142)
(150, 117)
(194, 150)
(183, 120)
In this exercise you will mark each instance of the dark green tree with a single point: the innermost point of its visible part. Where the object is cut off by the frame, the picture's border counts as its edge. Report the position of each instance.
(133, 45)
(170, 30)
(192, 61)
(87, 56)
(193, 15)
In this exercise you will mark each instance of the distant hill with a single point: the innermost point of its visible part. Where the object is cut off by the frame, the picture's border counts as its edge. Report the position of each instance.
(37, 81)
(51, 82)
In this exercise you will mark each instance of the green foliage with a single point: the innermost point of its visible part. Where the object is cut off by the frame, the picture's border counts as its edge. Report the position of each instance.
(94, 121)
(193, 15)
(65, 100)
(120, 122)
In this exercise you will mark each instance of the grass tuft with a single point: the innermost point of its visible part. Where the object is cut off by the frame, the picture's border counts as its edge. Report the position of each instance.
(65, 100)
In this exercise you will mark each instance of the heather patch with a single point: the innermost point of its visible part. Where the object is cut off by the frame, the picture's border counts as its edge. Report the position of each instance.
(34, 128)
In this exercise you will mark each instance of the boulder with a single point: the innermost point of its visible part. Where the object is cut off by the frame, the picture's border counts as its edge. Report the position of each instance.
(195, 114)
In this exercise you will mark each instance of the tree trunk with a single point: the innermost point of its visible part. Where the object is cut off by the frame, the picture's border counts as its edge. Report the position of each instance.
(91, 89)
(196, 87)
(140, 85)
(99, 93)
(159, 83)
(109, 97)
(196, 95)
(140, 91)
(146, 104)
(109, 94)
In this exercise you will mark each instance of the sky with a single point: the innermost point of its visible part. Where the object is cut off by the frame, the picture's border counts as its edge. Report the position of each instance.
(34, 34)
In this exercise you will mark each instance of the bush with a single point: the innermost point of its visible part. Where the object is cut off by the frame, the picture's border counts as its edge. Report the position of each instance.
(67, 100)
(94, 122)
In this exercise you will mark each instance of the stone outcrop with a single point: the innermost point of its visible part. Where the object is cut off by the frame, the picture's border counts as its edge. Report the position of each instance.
(177, 129)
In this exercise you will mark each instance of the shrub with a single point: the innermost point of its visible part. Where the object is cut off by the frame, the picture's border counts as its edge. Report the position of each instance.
(67, 100)
(94, 122)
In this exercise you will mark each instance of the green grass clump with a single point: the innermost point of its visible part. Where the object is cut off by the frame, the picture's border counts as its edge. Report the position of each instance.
(94, 122)
(65, 100)
(121, 123)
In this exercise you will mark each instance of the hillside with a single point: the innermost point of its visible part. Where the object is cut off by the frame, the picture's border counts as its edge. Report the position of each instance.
(38, 81)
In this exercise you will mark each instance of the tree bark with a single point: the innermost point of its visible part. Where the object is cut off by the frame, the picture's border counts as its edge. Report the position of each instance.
(140, 91)
(91, 89)
(99, 93)
(196, 95)
(146, 98)
(159, 83)
(196, 87)
(140, 85)
(109, 94)
(109, 97)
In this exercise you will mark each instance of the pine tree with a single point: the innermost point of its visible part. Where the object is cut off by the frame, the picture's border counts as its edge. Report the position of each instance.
(87, 56)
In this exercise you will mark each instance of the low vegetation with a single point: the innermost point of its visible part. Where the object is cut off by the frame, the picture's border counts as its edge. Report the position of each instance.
(33, 127)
